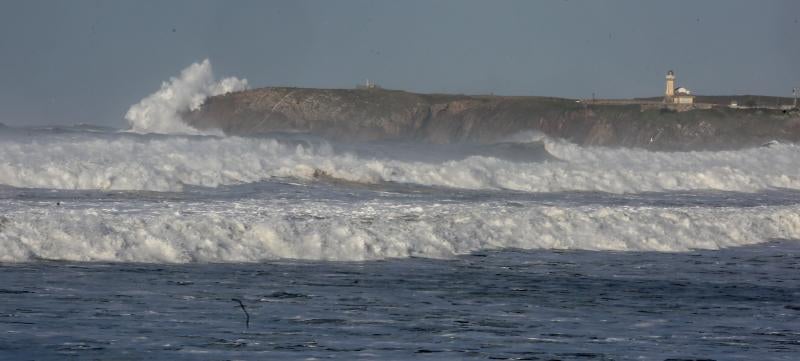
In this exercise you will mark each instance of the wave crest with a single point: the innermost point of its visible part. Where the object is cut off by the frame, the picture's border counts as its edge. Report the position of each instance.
(258, 232)
(168, 163)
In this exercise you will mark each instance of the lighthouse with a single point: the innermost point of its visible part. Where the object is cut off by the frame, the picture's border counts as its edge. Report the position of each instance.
(670, 92)
(679, 95)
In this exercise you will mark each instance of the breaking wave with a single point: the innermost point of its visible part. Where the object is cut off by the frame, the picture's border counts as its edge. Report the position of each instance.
(168, 163)
(374, 230)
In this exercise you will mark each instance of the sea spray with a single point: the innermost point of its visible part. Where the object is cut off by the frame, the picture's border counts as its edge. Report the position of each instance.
(160, 112)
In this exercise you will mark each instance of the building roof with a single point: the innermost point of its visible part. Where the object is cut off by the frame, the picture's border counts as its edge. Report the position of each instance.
(682, 91)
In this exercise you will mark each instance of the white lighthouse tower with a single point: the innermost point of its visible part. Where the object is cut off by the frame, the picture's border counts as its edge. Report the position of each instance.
(670, 91)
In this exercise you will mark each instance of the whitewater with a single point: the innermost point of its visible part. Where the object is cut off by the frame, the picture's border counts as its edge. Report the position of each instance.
(168, 163)
(253, 229)
(531, 248)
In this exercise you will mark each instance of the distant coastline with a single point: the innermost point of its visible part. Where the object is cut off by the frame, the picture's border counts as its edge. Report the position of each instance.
(366, 114)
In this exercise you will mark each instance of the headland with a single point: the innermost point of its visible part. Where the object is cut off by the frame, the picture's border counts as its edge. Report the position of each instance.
(367, 114)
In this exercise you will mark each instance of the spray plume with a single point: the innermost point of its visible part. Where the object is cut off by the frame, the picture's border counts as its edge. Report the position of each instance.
(160, 112)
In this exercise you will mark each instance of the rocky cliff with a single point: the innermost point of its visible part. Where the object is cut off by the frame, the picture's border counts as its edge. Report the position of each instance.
(375, 114)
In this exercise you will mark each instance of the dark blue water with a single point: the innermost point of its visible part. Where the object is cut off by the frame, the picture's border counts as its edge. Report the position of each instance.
(733, 304)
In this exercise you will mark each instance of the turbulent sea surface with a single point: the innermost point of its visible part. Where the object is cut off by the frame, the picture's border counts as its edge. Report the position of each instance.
(125, 246)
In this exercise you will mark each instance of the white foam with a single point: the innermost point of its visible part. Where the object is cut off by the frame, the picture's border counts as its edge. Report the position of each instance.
(258, 230)
(167, 163)
(160, 112)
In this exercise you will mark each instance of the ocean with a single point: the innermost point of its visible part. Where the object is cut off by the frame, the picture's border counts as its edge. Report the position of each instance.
(123, 246)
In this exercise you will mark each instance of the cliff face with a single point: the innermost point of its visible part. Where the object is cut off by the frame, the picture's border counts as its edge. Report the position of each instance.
(376, 114)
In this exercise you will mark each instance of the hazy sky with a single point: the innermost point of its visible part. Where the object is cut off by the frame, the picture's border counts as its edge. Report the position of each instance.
(66, 62)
